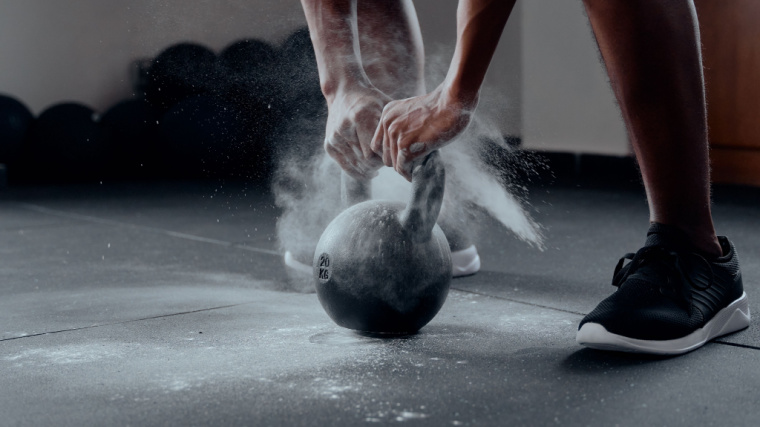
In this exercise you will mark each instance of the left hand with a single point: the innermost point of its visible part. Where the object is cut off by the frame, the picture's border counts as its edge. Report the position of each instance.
(352, 118)
(411, 128)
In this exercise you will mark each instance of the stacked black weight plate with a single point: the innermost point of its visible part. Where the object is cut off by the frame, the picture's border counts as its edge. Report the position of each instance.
(181, 71)
(131, 136)
(65, 143)
(203, 136)
(15, 119)
(202, 116)
(250, 69)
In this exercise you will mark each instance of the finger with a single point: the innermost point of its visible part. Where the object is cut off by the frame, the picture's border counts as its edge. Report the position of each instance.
(402, 165)
(407, 157)
(349, 140)
(370, 162)
(355, 173)
(387, 144)
(353, 160)
(335, 153)
(343, 145)
(395, 141)
(352, 170)
(365, 141)
(417, 148)
(356, 148)
(377, 139)
(344, 157)
(384, 120)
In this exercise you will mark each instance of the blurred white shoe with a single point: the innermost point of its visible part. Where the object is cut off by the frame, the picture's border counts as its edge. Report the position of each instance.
(465, 262)
(295, 264)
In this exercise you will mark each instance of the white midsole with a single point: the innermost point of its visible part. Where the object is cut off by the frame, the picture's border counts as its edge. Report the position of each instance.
(463, 263)
(730, 319)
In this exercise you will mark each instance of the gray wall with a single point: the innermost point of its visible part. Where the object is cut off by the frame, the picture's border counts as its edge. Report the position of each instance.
(545, 82)
(501, 94)
(81, 49)
(567, 103)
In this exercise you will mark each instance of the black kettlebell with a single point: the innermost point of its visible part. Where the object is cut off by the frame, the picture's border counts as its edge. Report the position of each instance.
(382, 267)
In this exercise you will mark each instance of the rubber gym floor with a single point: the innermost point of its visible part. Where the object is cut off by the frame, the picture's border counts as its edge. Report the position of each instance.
(159, 304)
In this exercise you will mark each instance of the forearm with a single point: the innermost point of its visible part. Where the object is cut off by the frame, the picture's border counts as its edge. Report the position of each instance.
(392, 51)
(333, 28)
(479, 27)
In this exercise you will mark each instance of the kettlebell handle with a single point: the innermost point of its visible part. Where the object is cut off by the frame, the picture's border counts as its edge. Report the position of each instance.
(428, 184)
(424, 206)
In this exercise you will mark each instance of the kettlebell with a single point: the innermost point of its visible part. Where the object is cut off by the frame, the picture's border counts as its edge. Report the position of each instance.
(383, 267)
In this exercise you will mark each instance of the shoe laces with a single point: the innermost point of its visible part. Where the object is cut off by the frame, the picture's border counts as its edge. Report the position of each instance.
(667, 269)
(644, 256)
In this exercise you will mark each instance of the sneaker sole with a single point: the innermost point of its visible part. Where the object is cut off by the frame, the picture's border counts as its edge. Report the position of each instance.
(733, 318)
(464, 263)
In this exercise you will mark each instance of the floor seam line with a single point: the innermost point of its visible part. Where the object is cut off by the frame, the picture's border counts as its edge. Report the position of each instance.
(732, 344)
(160, 316)
(518, 301)
(177, 234)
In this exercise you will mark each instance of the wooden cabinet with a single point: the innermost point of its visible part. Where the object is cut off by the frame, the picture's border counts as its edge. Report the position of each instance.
(731, 48)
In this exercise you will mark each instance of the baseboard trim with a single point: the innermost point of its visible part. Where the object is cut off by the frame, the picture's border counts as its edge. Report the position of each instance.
(597, 170)
(735, 165)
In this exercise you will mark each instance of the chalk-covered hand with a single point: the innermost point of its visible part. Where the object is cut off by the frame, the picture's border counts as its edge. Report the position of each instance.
(411, 128)
(351, 122)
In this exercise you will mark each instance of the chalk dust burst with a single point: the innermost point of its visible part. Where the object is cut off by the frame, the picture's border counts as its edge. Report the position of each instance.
(307, 182)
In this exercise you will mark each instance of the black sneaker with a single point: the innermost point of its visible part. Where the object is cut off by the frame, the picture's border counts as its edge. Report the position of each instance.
(670, 299)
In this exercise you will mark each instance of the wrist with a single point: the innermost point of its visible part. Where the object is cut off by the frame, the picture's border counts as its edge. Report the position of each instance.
(457, 94)
(341, 80)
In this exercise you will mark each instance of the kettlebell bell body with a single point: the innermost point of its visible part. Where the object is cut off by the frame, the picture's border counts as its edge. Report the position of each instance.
(383, 267)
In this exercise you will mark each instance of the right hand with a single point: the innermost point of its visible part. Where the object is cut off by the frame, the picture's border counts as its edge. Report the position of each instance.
(411, 128)
(351, 122)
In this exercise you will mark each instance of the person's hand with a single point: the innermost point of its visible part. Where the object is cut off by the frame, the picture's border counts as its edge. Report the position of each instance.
(411, 128)
(351, 123)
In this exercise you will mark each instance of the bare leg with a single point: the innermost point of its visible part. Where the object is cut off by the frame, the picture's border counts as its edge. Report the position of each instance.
(651, 50)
